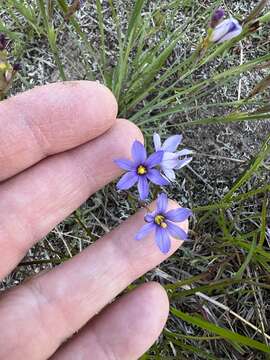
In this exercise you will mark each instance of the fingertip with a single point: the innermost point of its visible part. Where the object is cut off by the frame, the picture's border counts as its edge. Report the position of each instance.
(125, 329)
(158, 301)
(50, 119)
(150, 308)
(80, 98)
(129, 128)
(127, 133)
(109, 101)
(90, 100)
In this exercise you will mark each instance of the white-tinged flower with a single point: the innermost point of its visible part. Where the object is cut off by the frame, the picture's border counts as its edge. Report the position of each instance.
(226, 30)
(172, 159)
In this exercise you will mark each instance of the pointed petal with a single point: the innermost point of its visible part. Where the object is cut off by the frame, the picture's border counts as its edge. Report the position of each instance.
(138, 152)
(162, 240)
(144, 231)
(154, 159)
(169, 164)
(220, 30)
(156, 178)
(176, 232)
(182, 163)
(143, 187)
(184, 152)
(157, 141)
(169, 161)
(149, 217)
(169, 173)
(231, 34)
(172, 143)
(162, 203)
(226, 30)
(127, 181)
(125, 164)
(178, 215)
(170, 156)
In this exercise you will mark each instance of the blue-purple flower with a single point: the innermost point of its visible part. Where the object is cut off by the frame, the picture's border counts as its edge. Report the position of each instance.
(217, 16)
(226, 30)
(162, 222)
(3, 42)
(141, 170)
(171, 158)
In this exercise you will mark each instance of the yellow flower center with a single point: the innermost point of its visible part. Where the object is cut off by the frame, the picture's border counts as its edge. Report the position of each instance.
(3, 66)
(141, 170)
(159, 220)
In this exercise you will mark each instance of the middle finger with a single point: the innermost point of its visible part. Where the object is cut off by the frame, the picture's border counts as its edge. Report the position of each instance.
(34, 201)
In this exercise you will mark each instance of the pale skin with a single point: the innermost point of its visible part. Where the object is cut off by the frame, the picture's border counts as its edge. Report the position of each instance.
(57, 146)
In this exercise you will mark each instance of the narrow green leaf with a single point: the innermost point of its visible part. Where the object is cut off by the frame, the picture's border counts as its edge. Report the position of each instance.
(122, 65)
(136, 13)
(254, 166)
(243, 267)
(193, 349)
(225, 333)
(215, 285)
(263, 220)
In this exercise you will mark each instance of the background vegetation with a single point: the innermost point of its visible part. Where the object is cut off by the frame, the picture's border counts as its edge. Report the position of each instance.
(150, 54)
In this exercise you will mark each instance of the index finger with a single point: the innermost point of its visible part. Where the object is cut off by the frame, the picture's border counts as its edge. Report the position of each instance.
(51, 119)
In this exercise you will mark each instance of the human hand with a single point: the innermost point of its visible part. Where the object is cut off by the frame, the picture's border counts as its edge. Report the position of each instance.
(57, 146)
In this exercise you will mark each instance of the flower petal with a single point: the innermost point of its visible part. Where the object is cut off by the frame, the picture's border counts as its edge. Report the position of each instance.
(138, 152)
(172, 143)
(162, 203)
(220, 30)
(156, 178)
(231, 34)
(149, 217)
(154, 159)
(169, 173)
(176, 232)
(178, 215)
(144, 231)
(162, 240)
(182, 163)
(170, 156)
(184, 152)
(169, 161)
(143, 187)
(127, 180)
(226, 30)
(125, 164)
(157, 141)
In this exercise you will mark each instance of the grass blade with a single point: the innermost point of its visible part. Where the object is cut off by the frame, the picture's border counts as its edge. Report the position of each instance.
(225, 333)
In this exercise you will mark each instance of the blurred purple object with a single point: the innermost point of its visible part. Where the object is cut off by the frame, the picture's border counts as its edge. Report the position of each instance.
(216, 17)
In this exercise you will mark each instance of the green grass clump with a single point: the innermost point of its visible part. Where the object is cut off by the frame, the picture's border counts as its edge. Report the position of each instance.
(150, 55)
